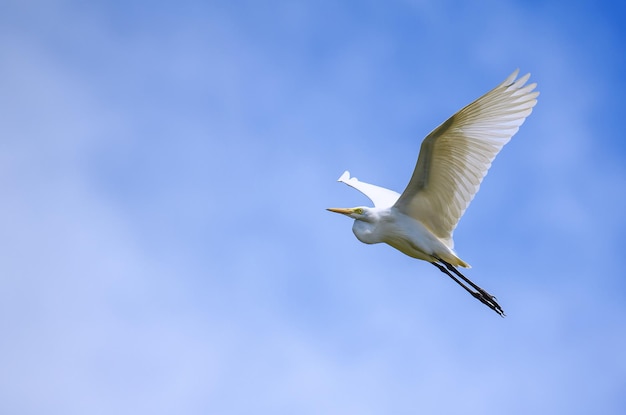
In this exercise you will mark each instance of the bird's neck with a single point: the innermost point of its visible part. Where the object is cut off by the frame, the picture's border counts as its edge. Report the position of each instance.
(370, 231)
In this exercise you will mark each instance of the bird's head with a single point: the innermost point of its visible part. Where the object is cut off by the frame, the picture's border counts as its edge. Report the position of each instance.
(359, 213)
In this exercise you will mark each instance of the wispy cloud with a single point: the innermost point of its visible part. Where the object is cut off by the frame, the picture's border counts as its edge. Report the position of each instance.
(165, 246)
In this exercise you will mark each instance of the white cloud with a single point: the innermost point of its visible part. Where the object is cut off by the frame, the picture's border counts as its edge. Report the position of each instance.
(166, 248)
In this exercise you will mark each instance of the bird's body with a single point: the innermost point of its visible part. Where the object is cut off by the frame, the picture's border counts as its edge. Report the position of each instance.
(452, 163)
(407, 235)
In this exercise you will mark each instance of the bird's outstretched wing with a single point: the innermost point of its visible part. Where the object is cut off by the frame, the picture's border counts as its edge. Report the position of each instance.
(380, 196)
(455, 157)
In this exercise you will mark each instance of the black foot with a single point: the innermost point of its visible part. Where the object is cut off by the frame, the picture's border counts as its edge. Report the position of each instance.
(488, 300)
(477, 292)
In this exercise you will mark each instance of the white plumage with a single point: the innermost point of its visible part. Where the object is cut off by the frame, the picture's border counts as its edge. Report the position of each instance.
(453, 160)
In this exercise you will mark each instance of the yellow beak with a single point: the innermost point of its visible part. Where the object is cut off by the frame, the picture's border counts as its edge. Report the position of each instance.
(343, 211)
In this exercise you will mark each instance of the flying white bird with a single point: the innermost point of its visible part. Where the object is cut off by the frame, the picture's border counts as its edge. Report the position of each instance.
(453, 160)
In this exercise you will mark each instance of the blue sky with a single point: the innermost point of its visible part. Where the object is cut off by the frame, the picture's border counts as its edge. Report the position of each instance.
(164, 244)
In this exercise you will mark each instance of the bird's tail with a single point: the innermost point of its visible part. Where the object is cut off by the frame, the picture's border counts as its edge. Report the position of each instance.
(452, 259)
(463, 263)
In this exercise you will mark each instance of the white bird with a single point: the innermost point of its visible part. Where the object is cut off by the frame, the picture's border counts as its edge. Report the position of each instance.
(453, 160)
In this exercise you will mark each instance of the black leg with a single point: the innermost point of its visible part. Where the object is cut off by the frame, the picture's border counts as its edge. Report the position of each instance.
(480, 294)
(445, 271)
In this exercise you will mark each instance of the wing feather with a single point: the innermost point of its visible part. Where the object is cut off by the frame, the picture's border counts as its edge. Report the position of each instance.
(455, 157)
(380, 196)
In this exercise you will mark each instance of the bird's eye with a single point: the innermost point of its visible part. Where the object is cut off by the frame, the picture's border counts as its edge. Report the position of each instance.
(358, 211)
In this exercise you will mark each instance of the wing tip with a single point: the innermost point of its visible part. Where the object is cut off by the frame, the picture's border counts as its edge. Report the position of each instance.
(514, 80)
(511, 78)
(344, 177)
